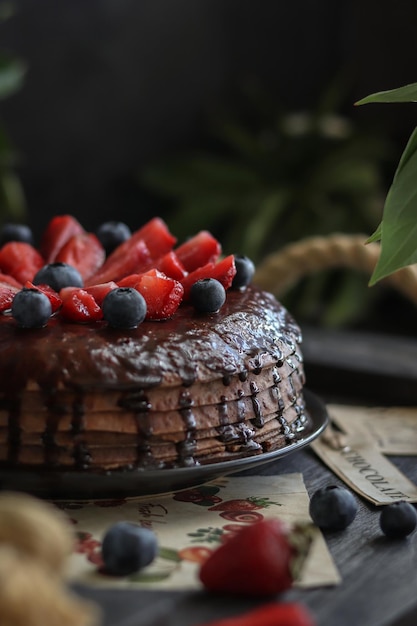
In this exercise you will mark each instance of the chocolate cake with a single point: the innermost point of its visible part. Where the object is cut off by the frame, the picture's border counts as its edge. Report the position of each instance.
(195, 388)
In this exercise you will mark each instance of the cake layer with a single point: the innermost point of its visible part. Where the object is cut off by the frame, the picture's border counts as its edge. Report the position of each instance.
(189, 390)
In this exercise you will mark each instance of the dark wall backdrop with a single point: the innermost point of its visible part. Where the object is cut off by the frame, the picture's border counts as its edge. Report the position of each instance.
(113, 85)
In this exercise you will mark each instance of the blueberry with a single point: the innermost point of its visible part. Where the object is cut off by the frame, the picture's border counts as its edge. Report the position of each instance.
(245, 269)
(397, 520)
(127, 548)
(15, 232)
(58, 276)
(112, 234)
(124, 307)
(207, 295)
(333, 508)
(31, 308)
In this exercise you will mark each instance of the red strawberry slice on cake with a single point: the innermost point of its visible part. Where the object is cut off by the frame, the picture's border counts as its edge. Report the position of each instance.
(128, 258)
(224, 271)
(58, 231)
(171, 266)
(199, 250)
(162, 294)
(79, 306)
(99, 292)
(6, 297)
(52, 295)
(84, 252)
(157, 237)
(20, 260)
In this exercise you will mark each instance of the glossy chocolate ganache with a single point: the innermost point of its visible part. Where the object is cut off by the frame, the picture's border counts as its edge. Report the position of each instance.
(194, 389)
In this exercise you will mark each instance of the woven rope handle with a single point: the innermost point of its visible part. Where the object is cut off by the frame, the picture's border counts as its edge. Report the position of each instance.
(280, 271)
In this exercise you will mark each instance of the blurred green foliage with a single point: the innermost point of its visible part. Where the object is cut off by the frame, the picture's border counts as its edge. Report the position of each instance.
(274, 177)
(12, 72)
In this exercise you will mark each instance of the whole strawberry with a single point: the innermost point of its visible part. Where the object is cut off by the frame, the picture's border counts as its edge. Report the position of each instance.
(257, 560)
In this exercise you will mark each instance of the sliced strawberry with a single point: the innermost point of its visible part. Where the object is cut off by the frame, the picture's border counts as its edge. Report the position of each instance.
(84, 252)
(271, 614)
(6, 298)
(171, 266)
(79, 306)
(54, 297)
(99, 292)
(58, 231)
(255, 560)
(20, 260)
(223, 271)
(157, 237)
(9, 280)
(130, 281)
(199, 250)
(163, 295)
(125, 260)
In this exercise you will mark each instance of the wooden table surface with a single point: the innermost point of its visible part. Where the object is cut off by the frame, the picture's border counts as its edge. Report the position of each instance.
(379, 577)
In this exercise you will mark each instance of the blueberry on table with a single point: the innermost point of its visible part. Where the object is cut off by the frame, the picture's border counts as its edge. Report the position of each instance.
(31, 308)
(397, 520)
(333, 508)
(124, 307)
(245, 270)
(207, 295)
(112, 234)
(58, 276)
(127, 548)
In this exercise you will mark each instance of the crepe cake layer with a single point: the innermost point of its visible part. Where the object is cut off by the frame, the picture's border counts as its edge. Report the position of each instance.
(193, 389)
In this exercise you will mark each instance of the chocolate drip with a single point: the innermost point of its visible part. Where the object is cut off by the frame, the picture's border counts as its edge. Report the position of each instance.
(186, 448)
(258, 420)
(241, 406)
(14, 431)
(135, 401)
(82, 456)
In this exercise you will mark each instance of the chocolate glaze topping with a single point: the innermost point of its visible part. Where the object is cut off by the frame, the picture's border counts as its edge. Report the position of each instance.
(251, 331)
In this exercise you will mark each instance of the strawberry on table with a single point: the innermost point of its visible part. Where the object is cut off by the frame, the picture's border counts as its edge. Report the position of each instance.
(272, 614)
(58, 231)
(20, 260)
(84, 252)
(256, 561)
(199, 250)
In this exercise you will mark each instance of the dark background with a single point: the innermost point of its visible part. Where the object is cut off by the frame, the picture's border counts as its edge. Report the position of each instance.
(113, 85)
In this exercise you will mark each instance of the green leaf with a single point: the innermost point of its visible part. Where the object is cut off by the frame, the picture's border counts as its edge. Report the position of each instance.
(200, 174)
(399, 225)
(376, 236)
(169, 554)
(407, 93)
(263, 220)
(12, 72)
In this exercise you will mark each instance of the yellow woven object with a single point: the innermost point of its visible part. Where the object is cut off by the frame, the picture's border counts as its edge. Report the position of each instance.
(281, 270)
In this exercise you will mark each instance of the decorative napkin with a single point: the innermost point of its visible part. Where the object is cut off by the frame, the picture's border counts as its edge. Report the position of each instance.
(191, 523)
